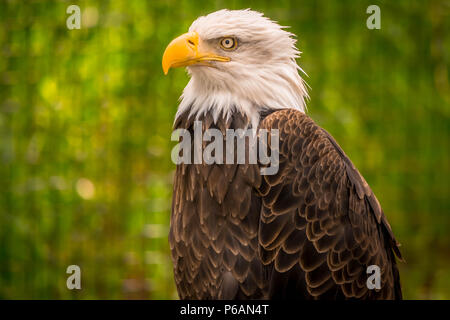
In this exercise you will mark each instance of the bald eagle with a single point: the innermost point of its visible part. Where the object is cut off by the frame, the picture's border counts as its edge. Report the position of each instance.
(309, 231)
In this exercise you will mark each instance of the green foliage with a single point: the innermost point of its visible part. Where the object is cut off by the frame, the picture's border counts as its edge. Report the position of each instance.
(85, 124)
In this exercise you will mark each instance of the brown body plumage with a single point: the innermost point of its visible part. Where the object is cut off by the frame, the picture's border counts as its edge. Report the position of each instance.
(308, 232)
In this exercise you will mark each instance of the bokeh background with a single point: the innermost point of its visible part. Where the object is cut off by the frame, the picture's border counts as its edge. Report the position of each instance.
(86, 116)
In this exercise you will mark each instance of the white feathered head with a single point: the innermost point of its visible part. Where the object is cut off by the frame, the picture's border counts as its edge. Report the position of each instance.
(239, 61)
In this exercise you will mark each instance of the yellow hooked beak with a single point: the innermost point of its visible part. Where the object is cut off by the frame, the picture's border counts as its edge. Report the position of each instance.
(184, 51)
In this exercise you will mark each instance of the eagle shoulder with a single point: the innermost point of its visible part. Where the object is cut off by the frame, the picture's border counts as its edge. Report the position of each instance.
(320, 220)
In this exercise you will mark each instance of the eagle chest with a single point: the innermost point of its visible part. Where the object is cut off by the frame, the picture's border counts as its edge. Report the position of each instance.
(214, 230)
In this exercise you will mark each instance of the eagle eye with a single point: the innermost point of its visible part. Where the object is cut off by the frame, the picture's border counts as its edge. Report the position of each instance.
(228, 43)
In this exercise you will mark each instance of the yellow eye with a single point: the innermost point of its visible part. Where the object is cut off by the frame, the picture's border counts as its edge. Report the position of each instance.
(228, 43)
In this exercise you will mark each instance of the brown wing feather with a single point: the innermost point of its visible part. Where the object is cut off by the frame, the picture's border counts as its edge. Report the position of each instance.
(321, 225)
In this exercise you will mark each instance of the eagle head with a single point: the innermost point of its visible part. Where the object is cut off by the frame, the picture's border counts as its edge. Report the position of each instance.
(238, 61)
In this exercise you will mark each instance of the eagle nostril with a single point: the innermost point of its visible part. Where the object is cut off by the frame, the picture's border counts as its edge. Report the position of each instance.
(191, 42)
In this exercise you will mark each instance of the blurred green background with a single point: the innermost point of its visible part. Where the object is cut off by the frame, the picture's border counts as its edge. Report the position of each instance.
(86, 116)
